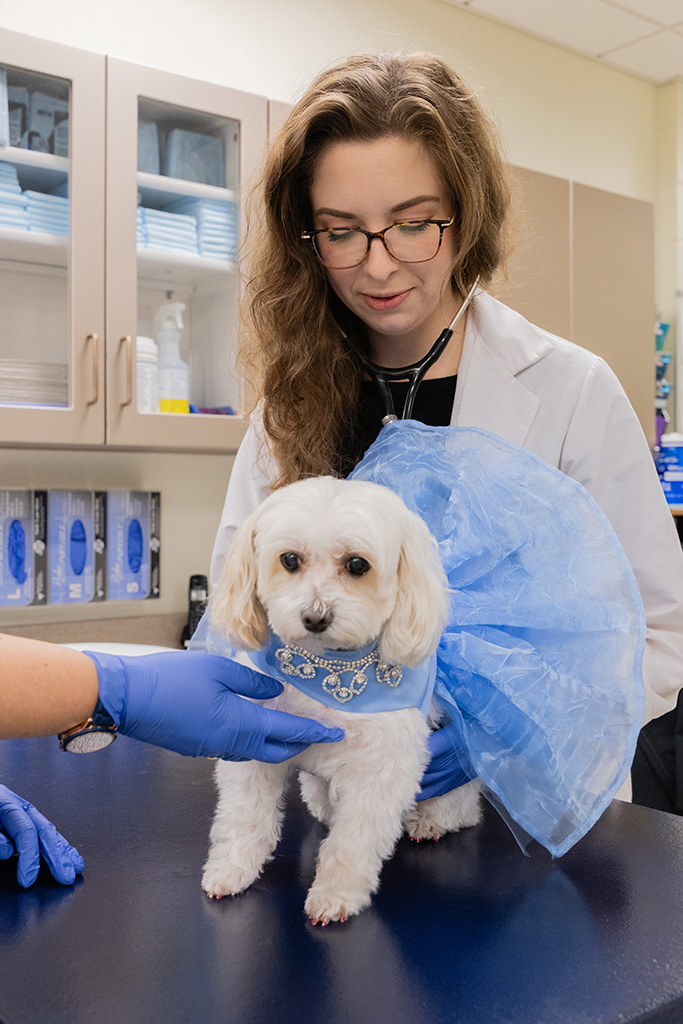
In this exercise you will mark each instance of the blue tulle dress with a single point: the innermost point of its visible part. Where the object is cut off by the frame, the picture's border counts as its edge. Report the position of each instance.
(540, 666)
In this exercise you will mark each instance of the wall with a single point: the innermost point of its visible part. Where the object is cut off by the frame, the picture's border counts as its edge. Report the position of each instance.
(560, 114)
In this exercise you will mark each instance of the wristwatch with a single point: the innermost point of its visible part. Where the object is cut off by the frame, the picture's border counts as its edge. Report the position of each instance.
(96, 732)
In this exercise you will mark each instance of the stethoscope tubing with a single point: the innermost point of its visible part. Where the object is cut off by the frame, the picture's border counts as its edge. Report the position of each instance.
(414, 373)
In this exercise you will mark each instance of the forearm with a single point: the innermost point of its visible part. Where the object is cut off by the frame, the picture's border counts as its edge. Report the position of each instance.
(44, 688)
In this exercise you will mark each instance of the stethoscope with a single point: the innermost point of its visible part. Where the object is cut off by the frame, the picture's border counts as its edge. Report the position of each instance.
(415, 373)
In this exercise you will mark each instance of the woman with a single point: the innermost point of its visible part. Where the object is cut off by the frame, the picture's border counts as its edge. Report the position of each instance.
(386, 201)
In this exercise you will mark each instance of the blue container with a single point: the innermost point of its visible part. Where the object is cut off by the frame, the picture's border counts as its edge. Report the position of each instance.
(71, 546)
(670, 468)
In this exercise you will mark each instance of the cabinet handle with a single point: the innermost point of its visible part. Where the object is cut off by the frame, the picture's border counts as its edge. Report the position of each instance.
(95, 368)
(128, 342)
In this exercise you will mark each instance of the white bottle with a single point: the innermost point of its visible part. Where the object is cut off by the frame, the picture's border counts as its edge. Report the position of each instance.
(173, 374)
(147, 371)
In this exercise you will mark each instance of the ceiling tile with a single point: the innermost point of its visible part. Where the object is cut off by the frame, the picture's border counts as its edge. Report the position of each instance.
(659, 58)
(664, 12)
(589, 26)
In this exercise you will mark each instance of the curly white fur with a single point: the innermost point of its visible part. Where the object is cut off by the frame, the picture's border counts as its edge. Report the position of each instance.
(357, 565)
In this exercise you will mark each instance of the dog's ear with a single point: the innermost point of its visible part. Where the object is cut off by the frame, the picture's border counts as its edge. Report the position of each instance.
(236, 610)
(422, 600)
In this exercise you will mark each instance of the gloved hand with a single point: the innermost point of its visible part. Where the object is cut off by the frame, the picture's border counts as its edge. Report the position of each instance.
(188, 701)
(450, 764)
(27, 831)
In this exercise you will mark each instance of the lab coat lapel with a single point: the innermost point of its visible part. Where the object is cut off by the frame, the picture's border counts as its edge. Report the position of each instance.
(499, 344)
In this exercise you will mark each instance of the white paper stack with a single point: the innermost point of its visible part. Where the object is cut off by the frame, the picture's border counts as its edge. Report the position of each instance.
(23, 383)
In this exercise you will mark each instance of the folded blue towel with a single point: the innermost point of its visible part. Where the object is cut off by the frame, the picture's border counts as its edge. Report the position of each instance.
(163, 246)
(47, 198)
(170, 235)
(14, 224)
(11, 199)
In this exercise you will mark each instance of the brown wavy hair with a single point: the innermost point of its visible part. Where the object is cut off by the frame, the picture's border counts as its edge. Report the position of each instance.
(293, 346)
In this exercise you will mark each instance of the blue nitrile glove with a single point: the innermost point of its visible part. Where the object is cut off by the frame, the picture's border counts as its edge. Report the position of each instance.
(26, 831)
(450, 764)
(188, 701)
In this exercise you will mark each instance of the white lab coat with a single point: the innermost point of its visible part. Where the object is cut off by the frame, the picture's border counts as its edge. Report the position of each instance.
(565, 404)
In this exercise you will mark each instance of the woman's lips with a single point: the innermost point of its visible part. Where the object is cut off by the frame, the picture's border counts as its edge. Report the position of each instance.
(385, 301)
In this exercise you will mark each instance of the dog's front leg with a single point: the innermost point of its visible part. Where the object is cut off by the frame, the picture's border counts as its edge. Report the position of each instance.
(247, 824)
(372, 783)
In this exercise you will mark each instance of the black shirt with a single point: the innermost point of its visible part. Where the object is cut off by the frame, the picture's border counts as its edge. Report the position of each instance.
(433, 405)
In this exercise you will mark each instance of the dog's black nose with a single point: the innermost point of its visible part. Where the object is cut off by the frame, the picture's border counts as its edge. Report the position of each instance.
(316, 623)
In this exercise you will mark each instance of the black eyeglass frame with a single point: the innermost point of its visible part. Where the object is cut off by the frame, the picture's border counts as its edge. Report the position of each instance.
(442, 225)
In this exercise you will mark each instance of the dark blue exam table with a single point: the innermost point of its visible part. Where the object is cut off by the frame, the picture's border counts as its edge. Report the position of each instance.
(468, 931)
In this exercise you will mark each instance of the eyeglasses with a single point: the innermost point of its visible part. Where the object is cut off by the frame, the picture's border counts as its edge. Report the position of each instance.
(409, 241)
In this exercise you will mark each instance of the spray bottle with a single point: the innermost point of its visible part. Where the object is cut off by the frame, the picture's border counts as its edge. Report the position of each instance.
(173, 373)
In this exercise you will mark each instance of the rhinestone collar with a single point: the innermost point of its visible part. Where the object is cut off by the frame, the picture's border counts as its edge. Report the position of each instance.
(333, 683)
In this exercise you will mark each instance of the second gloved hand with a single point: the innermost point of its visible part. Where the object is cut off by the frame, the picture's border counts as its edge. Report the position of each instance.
(28, 832)
(450, 765)
(189, 701)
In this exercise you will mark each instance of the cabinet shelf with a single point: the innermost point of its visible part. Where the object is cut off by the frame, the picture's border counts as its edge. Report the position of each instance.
(40, 172)
(157, 190)
(19, 248)
(35, 247)
(166, 267)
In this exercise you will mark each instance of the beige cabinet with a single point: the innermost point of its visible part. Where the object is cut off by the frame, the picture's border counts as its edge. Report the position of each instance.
(51, 266)
(143, 196)
(583, 268)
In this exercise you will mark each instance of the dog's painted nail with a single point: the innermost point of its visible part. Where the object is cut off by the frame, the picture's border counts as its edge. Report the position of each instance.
(314, 920)
(342, 918)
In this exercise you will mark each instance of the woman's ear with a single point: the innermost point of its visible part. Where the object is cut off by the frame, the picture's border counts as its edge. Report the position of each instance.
(422, 601)
(236, 610)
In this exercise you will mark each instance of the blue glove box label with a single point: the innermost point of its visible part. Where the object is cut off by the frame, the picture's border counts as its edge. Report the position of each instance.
(133, 544)
(16, 548)
(71, 536)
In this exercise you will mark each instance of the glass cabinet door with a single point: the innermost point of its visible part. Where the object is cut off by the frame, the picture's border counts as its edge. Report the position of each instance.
(180, 155)
(51, 244)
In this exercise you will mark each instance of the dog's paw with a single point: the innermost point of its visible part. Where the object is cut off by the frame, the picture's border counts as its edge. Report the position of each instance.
(222, 878)
(328, 903)
(419, 823)
(431, 819)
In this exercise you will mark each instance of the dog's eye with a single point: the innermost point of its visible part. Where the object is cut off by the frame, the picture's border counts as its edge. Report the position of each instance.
(357, 566)
(290, 561)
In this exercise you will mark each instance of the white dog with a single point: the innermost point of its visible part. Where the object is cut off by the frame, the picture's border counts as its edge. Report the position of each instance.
(332, 565)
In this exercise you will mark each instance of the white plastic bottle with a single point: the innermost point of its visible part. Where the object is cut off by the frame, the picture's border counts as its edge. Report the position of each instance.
(173, 374)
(147, 374)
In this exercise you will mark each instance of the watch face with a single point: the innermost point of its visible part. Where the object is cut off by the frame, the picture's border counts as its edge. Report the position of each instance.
(87, 742)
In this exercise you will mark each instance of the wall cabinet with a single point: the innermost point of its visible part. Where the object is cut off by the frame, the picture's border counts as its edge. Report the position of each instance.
(121, 190)
(583, 268)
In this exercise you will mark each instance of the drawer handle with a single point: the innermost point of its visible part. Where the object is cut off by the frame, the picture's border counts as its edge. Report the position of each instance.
(128, 342)
(95, 341)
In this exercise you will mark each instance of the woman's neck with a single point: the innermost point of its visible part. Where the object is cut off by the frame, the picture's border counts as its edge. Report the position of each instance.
(393, 351)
